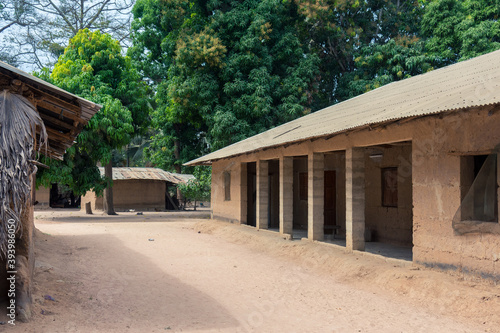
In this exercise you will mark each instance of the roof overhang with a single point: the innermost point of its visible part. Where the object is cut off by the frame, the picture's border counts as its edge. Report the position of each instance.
(461, 86)
(64, 114)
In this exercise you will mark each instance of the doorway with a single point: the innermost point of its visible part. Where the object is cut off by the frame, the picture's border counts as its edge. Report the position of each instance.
(274, 195)
(61, 196)
(251, 193)
(330, 195)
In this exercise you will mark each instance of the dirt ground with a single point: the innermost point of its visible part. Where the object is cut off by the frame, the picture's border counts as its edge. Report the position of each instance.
(158, 273)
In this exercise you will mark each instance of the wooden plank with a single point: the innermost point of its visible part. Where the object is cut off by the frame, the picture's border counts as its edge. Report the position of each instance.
(63, 136)
(405, 120)
(56, 149)
(59, 145)
(52, 153)
(55, 121)
(45, 96)
(4, 82)
(58, 110)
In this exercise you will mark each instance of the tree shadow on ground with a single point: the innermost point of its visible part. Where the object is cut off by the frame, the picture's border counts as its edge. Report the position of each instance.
(101, 285)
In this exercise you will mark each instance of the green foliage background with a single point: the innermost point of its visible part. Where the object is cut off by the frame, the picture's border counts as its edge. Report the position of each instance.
(218, 71)
(94, 68)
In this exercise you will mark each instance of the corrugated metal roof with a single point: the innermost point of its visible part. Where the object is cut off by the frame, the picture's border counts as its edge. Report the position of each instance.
(122, 173)
(63, 113)
(474, 82)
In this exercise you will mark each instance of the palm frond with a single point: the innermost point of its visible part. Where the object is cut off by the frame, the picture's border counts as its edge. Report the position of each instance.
(18, 124)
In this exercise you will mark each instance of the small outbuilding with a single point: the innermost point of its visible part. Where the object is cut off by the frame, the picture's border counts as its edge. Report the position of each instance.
(412, 164)
(147, 189)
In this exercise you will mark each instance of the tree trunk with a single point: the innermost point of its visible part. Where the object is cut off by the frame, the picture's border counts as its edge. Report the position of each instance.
(108, 192)
(177, 166)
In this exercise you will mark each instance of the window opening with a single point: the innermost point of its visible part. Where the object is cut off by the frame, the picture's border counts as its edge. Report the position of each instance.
(227, 186)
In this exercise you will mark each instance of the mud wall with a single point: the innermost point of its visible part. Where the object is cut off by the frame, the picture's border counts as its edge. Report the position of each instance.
(131, 194)
(384, 223)
(229, 210)
(436, 155)
(428, 202)
(43, 197)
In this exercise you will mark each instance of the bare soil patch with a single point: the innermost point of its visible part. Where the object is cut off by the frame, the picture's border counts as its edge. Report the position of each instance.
(153, 273)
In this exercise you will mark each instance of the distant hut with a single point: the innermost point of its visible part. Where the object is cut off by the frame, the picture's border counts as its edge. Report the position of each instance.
(35, 116)
(147, 189)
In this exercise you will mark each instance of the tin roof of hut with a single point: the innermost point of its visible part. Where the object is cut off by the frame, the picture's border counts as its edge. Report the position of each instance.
(135, 173)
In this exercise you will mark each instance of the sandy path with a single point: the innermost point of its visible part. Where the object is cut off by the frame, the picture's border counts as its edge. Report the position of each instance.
(110, 277)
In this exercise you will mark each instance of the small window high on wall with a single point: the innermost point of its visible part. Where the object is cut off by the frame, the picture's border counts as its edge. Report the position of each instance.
(227, 186)
(389, 187)
(478, 187)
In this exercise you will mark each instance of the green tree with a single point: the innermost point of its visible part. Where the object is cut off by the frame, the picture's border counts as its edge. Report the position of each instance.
(337, 30)
(460, 30)
(225, 71)
(379, 64)
(198, 189)
(156, 29)
(93, 67)
(450, 31)
(132, 154)
(14, 15)
(267, 73)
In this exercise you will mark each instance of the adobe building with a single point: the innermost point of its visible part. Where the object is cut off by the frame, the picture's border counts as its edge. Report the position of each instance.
(413, 163)
(52, 118)
(139, 189)
(57, 196)
(42, 197)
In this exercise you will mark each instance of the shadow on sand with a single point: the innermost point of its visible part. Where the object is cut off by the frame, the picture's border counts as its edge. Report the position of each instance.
(112, 288)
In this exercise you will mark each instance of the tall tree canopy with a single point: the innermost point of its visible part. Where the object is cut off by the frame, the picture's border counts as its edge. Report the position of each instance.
(224, 70)
(337, 30)
(448, 31)
(379, 64)
(94, 68)
(459, 30)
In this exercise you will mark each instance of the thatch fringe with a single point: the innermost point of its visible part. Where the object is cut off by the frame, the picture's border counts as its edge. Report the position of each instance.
(18, 124)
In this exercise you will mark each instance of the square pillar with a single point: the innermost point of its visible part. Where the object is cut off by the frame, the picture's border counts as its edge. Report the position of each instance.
(315, 196)
(286, 195)
(498, 186)
(262, 194)
(355, 199)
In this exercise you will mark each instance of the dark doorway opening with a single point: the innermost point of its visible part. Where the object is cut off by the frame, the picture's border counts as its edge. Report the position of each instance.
(61, 196)
(171, 201)
(330, 189)
(252, 193)
(300, 196)
(274, 195)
